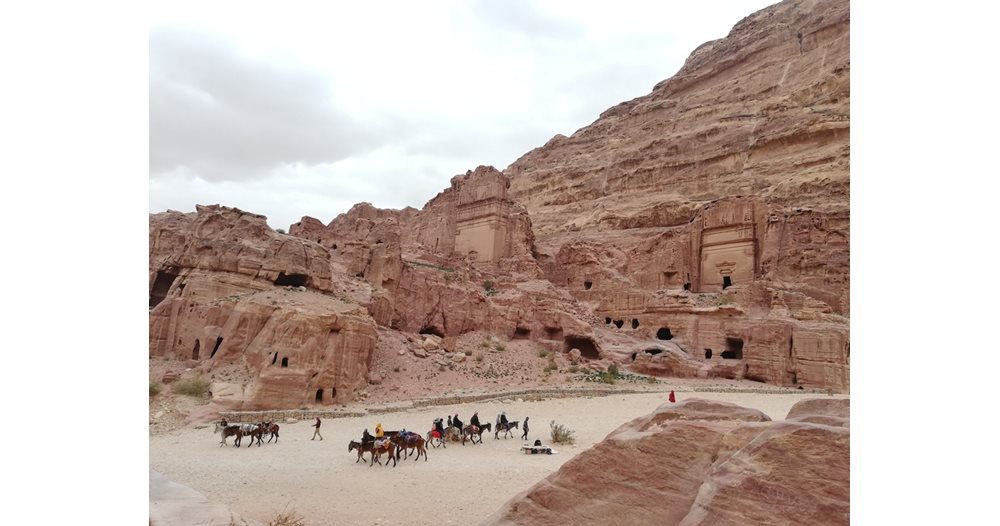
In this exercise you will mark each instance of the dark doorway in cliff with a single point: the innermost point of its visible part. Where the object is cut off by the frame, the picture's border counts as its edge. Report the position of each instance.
(522, 333)
(430, 329)
(587, 347)
(553, 333)
(284, 362)
(687, 286)
(160, 287)
(635, 323)
(334, 246)
(619, 323)
(653, 352)
(607, 321)
(588, 284)
(291, 280)
(708, 354)
(727, 281)
(319, 395)
(218, 343)
(197, 350)
(734, 349)
(664, 334)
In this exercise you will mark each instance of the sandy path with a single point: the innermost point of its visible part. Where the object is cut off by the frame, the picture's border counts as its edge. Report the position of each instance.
(321, 481)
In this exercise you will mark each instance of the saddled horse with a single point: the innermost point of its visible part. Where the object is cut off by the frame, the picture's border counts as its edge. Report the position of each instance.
(472, 432)
(229, 431)
(505, 428)
(362, 447)
(384, 445)
(271, 429)
(409, 442)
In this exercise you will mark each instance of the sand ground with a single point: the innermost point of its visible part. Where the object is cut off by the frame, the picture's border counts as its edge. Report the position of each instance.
(321, 481)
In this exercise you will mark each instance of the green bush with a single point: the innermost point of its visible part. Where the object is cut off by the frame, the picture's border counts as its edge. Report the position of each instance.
(196, 386)
(542, 353)
(488, 287)
(154, 387)
(613, 370)
(561, 434)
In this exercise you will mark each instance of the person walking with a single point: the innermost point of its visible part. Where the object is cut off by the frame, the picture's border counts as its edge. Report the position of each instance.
(316, 433)
(525, 435)
(671, 397)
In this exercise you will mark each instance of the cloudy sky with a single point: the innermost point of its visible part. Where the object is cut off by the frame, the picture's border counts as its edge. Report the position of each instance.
(293, 108)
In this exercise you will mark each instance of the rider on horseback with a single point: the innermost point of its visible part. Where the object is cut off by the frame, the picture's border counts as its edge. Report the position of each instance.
(475, 419)
(503, 418)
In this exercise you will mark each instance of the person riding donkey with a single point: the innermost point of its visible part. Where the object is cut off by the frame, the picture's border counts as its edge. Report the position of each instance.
(474, 421)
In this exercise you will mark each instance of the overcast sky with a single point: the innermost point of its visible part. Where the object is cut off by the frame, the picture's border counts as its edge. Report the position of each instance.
(291, 109)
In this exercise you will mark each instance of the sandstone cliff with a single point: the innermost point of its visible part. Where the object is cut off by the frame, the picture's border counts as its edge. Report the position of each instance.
(702, 462)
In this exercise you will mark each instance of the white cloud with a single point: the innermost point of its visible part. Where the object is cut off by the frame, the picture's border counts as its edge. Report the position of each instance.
(307, 108)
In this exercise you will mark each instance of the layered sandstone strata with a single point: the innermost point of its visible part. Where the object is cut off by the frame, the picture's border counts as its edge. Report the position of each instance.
(701, 462)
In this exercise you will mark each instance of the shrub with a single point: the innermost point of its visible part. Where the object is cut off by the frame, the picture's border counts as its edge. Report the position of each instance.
(500, 347)
(479, 357)
(287, 519)
(551, 366)
(488, 287)
(542, 353)
(613, 370)
(485, 344)
(468, 353)
(154, 387)
(561, 434)
(395, 369)
(574, 369)
(196, 386)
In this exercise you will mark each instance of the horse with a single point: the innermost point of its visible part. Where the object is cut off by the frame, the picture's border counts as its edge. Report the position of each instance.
(435, 441)
(472, 432)
(272, 429)
(505, 428)
(228, 431)
(365, 447)
(380, 446)
(410, 441)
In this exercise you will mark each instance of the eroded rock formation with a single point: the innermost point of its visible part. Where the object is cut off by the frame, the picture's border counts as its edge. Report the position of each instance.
(701, 462)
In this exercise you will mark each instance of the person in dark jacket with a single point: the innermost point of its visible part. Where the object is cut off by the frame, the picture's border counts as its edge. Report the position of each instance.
(439, 427)
(449, 421)
(475, 419)
(456, 422)
(525, 435)
(316, 433)
(367, 437)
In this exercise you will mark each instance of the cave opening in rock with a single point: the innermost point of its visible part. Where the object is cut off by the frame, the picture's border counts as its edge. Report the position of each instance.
(653, 351)
(619, 323)
(319, 395)
(284, 362)
(218, 343)
(334, 246)
(197, 350)
(664, 334)
(734, 349)
(588, 284)
(635, 323)
(708, 354)
(431, 329)
(291, 280)
(607, 321)
(687, 286)
(161, 286)
(587, 347)
(522, 333)
(727, 281)
(553, 333)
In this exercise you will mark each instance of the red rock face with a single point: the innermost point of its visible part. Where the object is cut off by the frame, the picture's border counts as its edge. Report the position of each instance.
(699, 462)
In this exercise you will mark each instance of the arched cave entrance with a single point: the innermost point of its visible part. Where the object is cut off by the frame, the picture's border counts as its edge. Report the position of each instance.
(218, 343)
(197, 350)
(664, 334)
(587, 347)
(284, 362)
(319, 395)
(727, 281)
(653, 351)
(734, 349)
(291, 280)
(161, 286)
(635, 323)
(522, 333)
(587, 285)
(619, 323)
(708, 354)
(430, 329)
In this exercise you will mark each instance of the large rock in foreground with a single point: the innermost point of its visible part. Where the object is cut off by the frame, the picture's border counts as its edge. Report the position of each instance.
(699, 462)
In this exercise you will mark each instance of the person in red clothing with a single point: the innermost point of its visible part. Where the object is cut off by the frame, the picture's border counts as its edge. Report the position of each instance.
(671, 397)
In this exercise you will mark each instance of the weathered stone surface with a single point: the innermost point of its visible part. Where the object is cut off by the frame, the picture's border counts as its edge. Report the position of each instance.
(699, 462)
